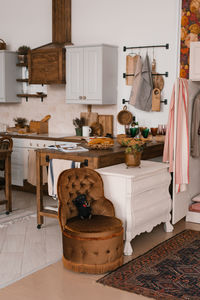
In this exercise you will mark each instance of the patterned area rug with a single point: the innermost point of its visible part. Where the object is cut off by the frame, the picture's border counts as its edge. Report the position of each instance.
(170, 271)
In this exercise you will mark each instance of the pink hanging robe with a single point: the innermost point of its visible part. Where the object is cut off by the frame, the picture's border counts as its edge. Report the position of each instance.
(177, 152)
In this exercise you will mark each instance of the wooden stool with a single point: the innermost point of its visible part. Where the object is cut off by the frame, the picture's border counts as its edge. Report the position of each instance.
(6, 145)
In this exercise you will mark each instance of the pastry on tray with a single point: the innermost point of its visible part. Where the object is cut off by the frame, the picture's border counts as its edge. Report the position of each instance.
(100, 142)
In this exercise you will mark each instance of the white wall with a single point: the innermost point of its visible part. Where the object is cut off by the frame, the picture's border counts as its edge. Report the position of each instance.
(118, 22)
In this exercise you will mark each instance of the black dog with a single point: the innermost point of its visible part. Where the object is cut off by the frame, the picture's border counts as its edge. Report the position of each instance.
(83, 207)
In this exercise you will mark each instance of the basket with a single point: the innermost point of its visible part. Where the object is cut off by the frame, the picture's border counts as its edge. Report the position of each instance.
(2, 45)
(38, 127)
(160, 138)
(125, 141)
(99, 146)
(125, 117)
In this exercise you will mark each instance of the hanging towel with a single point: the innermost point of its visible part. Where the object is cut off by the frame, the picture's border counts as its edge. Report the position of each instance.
(195, 123)
(56, 166)
(31, 178)
(141, 93)
(178, 119)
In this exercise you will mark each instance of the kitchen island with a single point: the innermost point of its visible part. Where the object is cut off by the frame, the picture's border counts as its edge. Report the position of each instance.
(93, 159)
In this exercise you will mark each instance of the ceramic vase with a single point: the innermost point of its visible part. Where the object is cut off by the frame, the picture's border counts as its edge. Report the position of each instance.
(78, 131)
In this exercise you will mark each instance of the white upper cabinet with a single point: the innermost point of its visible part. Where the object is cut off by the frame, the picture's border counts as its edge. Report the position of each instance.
(91, 74)
(9, 72)
(194, 61)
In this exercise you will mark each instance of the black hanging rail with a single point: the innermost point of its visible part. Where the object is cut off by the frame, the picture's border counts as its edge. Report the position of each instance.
(164, 101)
(166, 74)
(140, 47)
(124, 101)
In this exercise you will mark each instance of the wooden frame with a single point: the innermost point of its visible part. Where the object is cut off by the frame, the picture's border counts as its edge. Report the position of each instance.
(61, 21)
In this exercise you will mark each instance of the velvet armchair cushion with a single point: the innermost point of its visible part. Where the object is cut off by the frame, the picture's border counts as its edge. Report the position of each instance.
(97, 227)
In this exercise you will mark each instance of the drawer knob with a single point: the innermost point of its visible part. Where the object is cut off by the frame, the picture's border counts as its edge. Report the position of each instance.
(37, 145)
(80, 97)
(84, 97)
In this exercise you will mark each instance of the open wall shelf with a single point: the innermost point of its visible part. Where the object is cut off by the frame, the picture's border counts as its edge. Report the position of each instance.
(32, 96)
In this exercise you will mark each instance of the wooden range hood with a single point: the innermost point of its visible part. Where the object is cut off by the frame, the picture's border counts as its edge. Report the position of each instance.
(46, 64)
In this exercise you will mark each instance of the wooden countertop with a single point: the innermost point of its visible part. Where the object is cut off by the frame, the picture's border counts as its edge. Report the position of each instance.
(51, 137)
(111, 156)
(101, 158)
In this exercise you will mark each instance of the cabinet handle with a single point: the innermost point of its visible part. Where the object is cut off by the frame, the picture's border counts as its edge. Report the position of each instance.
(30, 144)
(44, 145)
(37, 145)
(80, 97)
(84, 97)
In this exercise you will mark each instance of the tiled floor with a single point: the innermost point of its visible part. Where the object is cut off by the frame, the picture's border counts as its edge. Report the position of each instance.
(24, 247)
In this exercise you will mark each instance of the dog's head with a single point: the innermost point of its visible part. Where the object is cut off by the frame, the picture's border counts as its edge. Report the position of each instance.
(80, 200)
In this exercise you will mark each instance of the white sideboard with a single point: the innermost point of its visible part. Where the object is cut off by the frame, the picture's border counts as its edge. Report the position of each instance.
(140, 196)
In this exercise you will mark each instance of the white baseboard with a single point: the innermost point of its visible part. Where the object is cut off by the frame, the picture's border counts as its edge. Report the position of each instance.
(193, 216)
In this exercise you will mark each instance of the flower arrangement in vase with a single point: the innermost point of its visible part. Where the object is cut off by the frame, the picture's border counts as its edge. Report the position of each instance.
(133, 151)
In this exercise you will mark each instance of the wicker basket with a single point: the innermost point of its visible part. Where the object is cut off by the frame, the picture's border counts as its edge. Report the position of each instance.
(99, 146)
(2, 45)
(124, 141)
(38, 127)
(125, 117)
(160, 138)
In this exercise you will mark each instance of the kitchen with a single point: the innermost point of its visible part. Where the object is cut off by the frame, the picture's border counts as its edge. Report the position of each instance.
(128, 31)
(118, 23)
(61, 122)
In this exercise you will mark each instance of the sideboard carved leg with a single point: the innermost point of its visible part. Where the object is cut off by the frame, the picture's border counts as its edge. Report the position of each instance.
(128, 248)
(168, 227)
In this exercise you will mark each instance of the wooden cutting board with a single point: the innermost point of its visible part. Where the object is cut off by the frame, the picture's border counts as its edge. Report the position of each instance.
(90, 117)
(107, 123)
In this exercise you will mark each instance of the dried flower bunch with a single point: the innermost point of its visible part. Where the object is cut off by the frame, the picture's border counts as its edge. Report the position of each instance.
(78, 123)
(133, 145)
(23, 50)
(21, 122)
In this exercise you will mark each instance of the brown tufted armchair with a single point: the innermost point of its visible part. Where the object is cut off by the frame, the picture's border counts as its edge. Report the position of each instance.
(91, 245)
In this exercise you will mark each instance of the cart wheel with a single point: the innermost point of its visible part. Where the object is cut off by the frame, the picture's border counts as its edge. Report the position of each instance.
(38, 226)
(7, 212)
